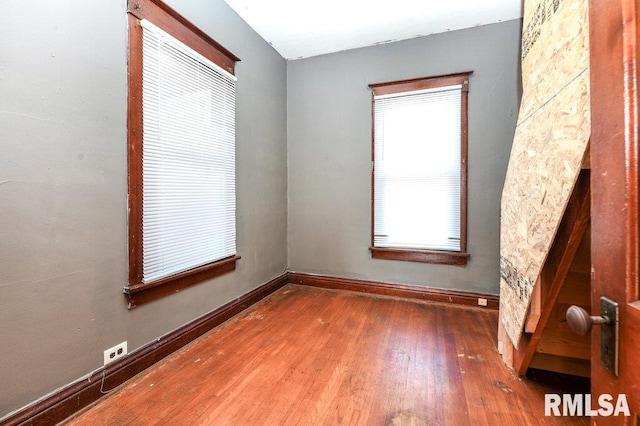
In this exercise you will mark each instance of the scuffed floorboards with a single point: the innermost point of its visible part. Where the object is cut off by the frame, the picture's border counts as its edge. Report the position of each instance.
(307, 356)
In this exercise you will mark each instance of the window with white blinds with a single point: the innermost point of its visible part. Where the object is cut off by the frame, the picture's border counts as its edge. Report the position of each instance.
(419, 171)
(188, 158)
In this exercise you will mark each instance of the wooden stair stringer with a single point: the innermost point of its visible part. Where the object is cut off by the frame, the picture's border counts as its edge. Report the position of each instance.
(572, 228)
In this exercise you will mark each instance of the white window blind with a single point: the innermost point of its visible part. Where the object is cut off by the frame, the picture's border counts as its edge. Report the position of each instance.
(188, 169)
(417, 175)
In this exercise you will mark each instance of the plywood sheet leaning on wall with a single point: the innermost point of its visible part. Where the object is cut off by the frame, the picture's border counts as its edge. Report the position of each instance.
(549, 145)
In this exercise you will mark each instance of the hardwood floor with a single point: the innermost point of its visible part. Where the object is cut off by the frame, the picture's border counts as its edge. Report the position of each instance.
(307, 356)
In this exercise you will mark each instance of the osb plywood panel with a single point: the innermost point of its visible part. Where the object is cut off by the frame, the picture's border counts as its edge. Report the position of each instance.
(550, 141)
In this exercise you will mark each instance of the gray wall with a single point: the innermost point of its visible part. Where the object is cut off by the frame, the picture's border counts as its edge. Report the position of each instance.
(329, 149)
(63, 247)
(63, 253)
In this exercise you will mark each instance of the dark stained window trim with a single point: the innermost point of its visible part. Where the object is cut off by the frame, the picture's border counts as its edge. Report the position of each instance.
(179, 27)
(163, 16)
(141, 293)
(427, 256)
(424, 256)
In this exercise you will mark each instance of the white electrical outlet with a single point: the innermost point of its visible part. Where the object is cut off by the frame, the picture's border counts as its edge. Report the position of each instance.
(482, 301)
(114, 353)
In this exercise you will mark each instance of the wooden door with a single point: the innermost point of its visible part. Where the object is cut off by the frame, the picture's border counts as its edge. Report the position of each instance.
(614, 173)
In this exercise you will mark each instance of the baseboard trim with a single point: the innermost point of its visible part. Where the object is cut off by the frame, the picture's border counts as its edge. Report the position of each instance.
(71, 399)
(396, 290)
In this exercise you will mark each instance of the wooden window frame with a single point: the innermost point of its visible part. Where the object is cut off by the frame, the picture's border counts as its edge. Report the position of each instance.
(179, 27)
(415, 255)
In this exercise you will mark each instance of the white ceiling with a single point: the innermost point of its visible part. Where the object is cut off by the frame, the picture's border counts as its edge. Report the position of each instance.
(303, 28)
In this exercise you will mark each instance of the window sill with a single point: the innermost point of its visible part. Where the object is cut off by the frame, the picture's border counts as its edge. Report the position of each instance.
(146, 292)
(424, 256)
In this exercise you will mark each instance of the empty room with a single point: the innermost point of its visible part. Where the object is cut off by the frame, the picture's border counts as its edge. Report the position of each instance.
(243, 212)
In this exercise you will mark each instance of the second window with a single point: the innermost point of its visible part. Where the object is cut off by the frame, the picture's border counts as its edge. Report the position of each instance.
(420, 169)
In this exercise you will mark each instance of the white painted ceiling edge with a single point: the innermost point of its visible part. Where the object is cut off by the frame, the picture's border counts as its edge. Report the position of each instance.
(303, 28)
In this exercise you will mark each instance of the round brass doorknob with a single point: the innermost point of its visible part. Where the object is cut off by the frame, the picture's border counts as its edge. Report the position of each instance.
(581, 322)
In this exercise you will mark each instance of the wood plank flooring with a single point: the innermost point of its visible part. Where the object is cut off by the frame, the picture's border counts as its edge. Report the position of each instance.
(308, 356)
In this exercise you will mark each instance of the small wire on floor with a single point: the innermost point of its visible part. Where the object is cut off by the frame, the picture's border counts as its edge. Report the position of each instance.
(102, 384)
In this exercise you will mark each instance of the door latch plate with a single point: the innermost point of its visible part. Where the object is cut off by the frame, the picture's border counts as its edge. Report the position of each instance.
(609, 335)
